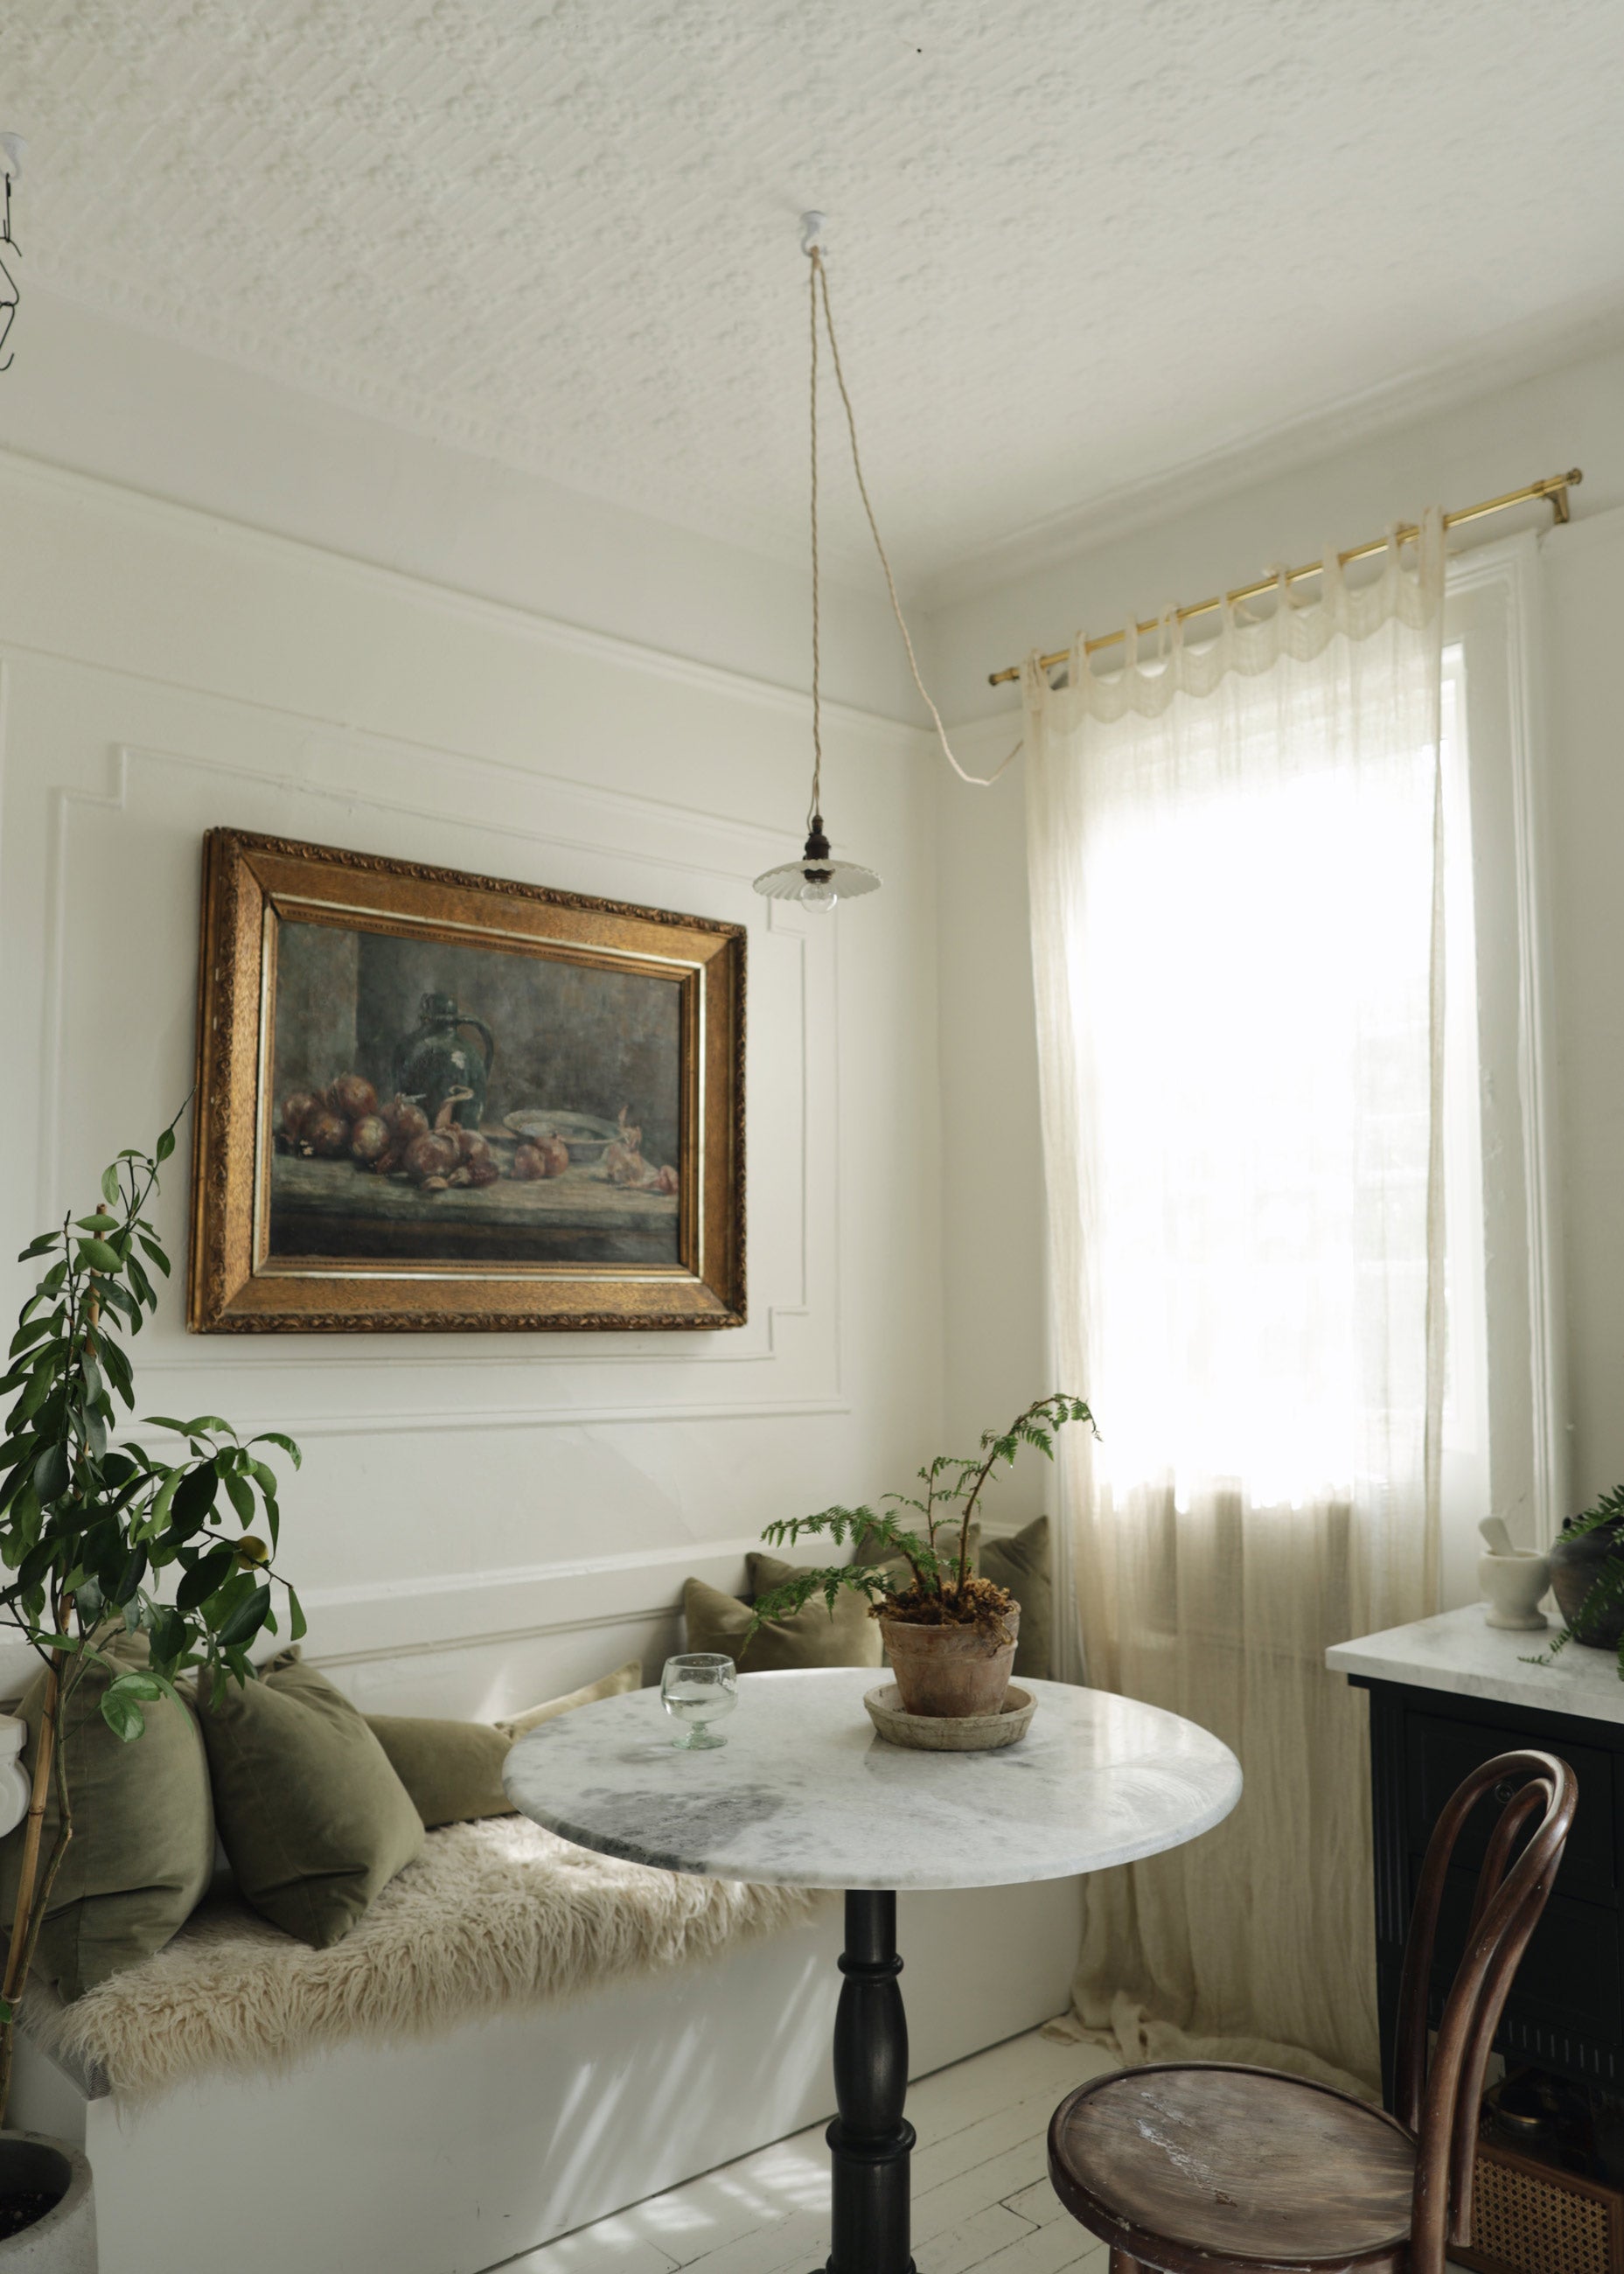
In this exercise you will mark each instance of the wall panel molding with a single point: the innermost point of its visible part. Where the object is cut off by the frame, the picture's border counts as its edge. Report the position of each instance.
(748, 842)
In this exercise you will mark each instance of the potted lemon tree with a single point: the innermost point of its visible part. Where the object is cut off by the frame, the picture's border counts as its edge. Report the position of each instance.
(107, 1546)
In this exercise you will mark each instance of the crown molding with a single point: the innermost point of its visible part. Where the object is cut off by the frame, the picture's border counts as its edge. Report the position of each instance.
(1522, 351)
(47, 479)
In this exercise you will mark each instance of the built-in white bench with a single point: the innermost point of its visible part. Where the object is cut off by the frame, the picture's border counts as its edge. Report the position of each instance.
(450, 2153)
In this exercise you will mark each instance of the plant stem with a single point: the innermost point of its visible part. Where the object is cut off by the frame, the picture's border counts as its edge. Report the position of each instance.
(1038, 1406)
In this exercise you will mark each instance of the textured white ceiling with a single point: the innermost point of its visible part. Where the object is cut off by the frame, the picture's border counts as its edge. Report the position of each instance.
(1072, 247)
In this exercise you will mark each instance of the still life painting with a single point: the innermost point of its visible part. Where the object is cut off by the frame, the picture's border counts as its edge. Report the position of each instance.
(432, 1100)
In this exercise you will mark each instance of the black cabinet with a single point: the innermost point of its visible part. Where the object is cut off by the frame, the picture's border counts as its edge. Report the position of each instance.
(1566, 2010)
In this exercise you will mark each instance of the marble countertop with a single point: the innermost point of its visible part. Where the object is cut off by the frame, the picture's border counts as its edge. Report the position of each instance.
(805, 1793)
(1458, 1652)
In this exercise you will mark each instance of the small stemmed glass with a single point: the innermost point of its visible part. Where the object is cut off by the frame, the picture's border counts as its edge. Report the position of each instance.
(696, 1687)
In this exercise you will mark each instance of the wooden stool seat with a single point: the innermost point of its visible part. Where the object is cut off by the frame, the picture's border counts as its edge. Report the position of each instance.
(1234, 2167)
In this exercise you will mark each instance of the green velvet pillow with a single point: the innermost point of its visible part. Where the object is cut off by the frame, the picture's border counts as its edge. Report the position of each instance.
(143, 1847)
(1020, 1562)
(809, 1636)
(453, 1770)
(313, 1815)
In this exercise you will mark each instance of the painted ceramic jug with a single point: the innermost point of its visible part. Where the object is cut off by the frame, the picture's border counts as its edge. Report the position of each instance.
(435, 1058)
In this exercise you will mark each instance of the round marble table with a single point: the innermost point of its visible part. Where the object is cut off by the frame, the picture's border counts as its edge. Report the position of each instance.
(805, 1793)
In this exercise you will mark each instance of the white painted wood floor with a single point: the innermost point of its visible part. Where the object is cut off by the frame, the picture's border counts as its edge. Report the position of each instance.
(982, 2197)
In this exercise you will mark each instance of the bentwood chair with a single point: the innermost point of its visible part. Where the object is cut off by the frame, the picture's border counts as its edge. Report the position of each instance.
(1202, 2168)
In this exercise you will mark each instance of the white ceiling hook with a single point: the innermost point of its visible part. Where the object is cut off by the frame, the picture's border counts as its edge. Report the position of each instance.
(812, 228)
(13, 145)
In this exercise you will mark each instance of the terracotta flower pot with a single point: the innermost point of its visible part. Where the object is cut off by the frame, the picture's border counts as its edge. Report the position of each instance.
(950, 1671)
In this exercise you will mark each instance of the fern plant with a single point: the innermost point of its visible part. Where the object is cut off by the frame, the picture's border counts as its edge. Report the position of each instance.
(940, 1589)
(1606, 1594)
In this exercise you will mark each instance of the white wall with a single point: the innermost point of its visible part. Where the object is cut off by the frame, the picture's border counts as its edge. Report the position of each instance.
(361, 637)
(163, 670)
(95, 394)
(992, 1183)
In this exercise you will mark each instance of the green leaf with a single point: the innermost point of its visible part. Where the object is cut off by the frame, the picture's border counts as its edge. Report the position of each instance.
(275, 1437)
(170, 1634)
(130, 1577)
(296, 1628)
(31, 1333)
(50, 1473)
(38, 1390)
(109, 1186)
(210, 1572)
(117, 1366)
(166, 1144)
(194, 1497)
(140, 1683)
(167, 1491)
(98, 1255)
(246, 1620)
(154, 1253)
(229, 1598)
(38, 1246)
(123, 1715)
(239, 1496)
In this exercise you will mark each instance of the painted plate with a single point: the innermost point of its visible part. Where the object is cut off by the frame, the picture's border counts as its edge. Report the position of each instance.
(586, 1136)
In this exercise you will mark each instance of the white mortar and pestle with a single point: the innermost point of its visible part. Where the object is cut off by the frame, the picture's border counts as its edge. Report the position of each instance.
(1512, 1579)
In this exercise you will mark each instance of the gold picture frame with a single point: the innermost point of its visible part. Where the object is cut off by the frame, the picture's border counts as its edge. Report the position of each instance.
(461, 1194)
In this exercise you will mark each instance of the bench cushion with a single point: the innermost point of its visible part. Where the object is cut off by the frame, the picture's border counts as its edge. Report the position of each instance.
(313, 1818)
(143, 1845)
(494, 1917)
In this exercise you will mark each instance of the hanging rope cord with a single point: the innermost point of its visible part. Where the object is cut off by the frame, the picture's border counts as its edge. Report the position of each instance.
(820, 284)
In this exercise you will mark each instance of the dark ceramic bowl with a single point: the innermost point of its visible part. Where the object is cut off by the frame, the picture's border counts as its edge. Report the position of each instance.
(1575, 1566)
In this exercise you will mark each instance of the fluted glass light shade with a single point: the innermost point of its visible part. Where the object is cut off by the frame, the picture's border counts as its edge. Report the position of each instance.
(817, 880)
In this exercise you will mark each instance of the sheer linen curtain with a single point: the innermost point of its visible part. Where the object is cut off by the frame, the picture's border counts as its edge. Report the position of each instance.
(1236, 880)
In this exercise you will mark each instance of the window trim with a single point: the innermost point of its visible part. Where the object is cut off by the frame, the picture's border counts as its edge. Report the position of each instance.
(1492, 609)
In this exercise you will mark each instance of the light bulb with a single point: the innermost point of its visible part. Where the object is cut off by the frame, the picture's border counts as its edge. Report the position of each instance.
(818, 892)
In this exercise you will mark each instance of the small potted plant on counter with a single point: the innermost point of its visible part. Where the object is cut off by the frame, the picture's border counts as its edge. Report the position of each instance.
(950, 1635)
(124, 1569)
(1587, 1576)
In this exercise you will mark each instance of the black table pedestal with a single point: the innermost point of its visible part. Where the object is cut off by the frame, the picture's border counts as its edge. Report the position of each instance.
(870, 2143)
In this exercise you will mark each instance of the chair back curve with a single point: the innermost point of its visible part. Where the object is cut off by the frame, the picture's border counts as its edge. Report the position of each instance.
(1438, 2101)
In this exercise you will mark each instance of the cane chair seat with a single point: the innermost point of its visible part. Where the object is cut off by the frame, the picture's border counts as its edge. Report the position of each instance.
(1234, 2167)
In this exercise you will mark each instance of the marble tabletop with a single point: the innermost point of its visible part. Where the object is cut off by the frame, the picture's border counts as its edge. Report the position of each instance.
(1458, 1650)
(805, 1793)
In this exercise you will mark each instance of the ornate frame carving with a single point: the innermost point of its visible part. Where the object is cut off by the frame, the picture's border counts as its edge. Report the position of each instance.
(235, 1286)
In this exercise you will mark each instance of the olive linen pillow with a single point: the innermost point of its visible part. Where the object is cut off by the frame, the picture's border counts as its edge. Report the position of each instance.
(143, 1847)
(453, 1770)
(1020, 1562)
(313, 1815)
(808, 1636)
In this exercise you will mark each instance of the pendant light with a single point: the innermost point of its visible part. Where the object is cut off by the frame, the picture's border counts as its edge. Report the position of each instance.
(817, 880)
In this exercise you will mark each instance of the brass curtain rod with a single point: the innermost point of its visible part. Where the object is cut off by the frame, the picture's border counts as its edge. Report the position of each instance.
(1555, 486)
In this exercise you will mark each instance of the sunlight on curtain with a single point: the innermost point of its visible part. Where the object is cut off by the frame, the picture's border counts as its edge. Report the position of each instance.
(1237, 938)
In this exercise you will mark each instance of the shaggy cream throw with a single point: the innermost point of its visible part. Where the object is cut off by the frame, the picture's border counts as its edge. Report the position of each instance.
(494, 1917)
